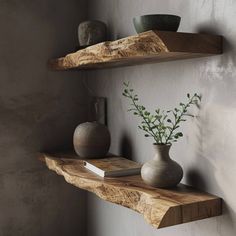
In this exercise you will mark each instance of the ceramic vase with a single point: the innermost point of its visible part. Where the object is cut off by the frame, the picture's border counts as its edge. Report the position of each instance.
(162, 171)
(91, 140)
(92, 32)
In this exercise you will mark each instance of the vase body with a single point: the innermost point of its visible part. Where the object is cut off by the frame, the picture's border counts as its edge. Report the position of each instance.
(92, 32)
(91, 140)
(162, 171)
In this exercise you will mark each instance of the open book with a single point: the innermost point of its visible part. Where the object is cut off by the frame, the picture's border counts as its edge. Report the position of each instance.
(113, 166)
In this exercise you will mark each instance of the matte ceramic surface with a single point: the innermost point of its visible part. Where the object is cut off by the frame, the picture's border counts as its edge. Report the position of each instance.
(162, 171)
(156, 22)
(91, 140)
(92, 32)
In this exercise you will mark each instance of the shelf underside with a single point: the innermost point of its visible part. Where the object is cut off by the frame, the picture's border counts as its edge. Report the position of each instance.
(144, 48)
(159, 207)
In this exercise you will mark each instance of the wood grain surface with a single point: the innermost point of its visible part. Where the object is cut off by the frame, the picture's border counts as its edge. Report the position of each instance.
(147, 47)
(159, 207)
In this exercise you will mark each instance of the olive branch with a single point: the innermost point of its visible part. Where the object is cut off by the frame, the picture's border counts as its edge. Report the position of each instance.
(162, 125)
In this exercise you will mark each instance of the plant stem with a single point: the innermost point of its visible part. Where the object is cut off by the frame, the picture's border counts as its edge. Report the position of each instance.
(140, 113)
(178, 119)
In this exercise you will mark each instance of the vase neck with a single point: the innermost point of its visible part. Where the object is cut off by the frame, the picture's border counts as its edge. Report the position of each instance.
(162, 152)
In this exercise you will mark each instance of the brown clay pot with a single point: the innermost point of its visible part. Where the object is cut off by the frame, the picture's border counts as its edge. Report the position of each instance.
(91, 140)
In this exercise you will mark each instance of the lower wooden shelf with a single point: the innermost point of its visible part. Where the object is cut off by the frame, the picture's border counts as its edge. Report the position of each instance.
(159, 207)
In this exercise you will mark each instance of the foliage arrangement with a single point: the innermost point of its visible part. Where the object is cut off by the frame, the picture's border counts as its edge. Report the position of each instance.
(162, 125)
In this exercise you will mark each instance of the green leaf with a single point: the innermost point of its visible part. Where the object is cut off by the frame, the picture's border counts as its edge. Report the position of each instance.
(126, 84)
(189, 115)
(180, 134)
(164, 117)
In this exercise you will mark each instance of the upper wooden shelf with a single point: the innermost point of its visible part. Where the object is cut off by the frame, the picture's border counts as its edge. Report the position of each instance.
(160, 207)
(147, 47)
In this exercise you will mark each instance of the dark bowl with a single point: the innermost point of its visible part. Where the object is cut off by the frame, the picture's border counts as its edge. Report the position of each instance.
(156, 22)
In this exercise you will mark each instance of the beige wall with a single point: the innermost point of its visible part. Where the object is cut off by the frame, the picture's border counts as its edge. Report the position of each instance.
(207, 151)
(39, 110)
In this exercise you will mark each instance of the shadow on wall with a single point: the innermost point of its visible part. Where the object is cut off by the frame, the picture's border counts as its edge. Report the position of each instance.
(126, 147)
(196, 179)
(229, 58)
(208, 29)
(210, 163)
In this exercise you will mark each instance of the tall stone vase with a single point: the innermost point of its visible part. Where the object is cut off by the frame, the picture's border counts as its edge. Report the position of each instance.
(162, 171)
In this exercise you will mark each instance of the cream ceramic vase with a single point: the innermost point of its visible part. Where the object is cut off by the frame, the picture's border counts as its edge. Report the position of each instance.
(162, 171)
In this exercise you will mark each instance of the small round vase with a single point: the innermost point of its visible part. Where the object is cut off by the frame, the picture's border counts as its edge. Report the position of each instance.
(91, 140)
(162, 171)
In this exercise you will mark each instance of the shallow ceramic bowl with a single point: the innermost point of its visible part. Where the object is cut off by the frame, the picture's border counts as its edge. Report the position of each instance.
(156, 22)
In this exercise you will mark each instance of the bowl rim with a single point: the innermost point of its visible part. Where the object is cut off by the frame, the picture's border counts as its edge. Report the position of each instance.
(171, 15)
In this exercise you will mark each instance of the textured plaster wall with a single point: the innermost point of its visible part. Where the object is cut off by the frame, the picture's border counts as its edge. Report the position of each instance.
(207, 151)
(39, 110)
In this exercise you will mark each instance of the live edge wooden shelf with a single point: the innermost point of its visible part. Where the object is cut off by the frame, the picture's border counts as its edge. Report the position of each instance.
(147, 47)
(159, 207)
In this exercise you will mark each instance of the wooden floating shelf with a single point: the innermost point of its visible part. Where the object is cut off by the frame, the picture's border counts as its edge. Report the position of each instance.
(144, 48)
(159, 207)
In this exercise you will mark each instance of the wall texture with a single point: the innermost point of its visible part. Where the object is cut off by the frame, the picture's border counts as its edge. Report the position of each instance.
(207, 151)
(39, 110)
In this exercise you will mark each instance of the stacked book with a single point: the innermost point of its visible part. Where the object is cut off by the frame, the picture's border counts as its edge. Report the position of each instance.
(113, 167)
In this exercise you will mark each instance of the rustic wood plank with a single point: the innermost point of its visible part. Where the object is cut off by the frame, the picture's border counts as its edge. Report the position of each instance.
(147, 47)
(159, 207)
